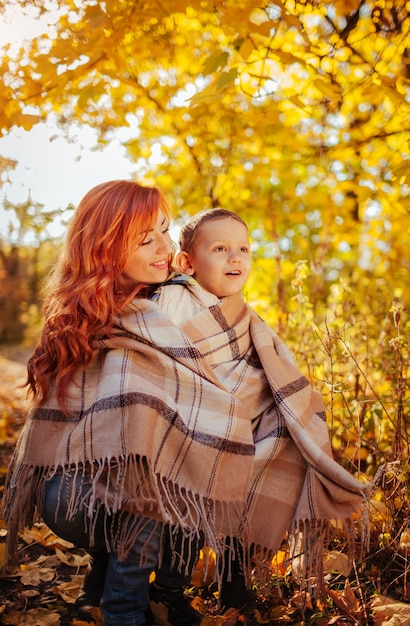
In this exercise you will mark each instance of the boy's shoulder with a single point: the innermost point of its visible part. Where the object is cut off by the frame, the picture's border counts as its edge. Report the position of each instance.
(176, 278)
(181, 297)
(176, 281)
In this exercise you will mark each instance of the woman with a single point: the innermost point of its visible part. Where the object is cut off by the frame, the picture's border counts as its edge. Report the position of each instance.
(117, 247)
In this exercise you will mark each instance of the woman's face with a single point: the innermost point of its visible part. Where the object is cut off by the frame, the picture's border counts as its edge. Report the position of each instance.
(149, 263)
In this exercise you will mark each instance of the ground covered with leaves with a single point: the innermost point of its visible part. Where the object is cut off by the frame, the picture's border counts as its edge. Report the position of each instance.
(42, 591)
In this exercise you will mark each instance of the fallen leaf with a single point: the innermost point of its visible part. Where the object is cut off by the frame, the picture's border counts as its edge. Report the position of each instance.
(280, 563)
(49, 560)
(404, 543)
(302, 600)
(72, 560)
(388, 612)
(69, 591)
(95, 613)
(276, 612)
(321, 620)
(231, 617)
(204, 569)
(282, 614)
(36, 534)
(40, 533)
(208, 620)
(198, 604)
(33, 617)
(350, 595)
(33, 575)
(334, 561)
(345, 600)
(30, 593)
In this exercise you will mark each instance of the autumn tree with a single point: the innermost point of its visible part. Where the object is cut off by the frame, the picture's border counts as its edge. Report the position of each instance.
(295, 114)
(25, 257)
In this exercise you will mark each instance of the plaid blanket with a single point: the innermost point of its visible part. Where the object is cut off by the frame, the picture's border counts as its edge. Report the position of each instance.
(210, 427)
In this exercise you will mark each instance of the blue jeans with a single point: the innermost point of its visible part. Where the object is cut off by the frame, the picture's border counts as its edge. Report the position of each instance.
(125, 595)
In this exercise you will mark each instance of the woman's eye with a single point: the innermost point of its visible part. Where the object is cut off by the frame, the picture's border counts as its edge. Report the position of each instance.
(146, 242)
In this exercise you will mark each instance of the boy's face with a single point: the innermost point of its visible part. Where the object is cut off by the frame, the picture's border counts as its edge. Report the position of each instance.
(221, 260)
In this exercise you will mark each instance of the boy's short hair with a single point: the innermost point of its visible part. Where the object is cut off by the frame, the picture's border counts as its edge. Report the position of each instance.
(192, 227)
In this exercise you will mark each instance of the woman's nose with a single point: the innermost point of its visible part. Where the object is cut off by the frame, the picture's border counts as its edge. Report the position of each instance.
(165, 244)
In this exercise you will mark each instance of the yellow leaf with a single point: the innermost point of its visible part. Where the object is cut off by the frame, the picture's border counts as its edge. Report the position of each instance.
(264, 29)
(297, 101)
(225, 78)
(330, 90)
(216, 61)
(26, 121)
(344, 7)
(207, 94)
(205, 568)
(246, 49)
(96, 17)
(36, 534)
(279, 562)
(287, 58)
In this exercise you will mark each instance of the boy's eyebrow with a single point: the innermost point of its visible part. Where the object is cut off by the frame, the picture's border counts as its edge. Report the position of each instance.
(223, 241)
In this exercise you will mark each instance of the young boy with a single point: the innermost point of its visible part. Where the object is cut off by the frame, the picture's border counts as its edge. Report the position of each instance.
(295, 483)
(215, 262)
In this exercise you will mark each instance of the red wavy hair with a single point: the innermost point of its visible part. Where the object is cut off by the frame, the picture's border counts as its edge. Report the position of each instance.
(87, 287)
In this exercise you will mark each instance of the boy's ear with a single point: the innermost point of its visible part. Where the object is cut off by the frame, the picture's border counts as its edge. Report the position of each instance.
(183, 263)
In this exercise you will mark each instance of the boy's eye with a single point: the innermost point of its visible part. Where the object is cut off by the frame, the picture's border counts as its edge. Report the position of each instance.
(245, 250)
(220, 248)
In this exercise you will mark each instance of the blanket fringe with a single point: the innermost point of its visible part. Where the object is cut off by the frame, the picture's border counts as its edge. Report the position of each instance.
(104, 486)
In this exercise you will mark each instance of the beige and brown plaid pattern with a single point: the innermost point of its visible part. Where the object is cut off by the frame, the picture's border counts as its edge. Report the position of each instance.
(210, 426)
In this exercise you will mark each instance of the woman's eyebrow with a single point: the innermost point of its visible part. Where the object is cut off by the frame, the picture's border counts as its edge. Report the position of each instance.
(150, 230)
